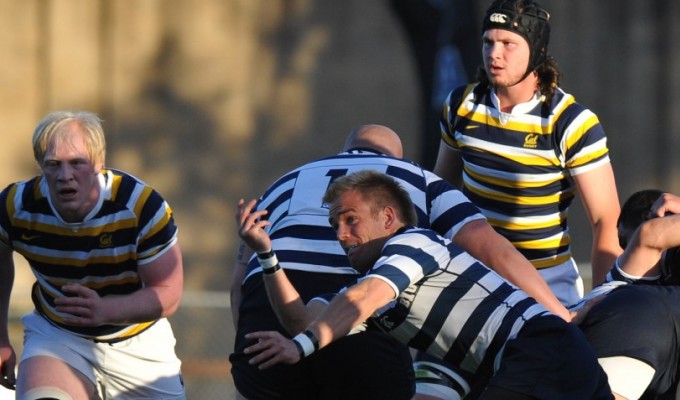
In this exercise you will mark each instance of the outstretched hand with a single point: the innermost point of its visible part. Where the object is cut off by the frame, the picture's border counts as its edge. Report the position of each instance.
(251, 226)
(273, 349)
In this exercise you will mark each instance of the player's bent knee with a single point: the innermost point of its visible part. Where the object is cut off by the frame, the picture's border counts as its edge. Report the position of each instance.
(435, 381)
(45, 393)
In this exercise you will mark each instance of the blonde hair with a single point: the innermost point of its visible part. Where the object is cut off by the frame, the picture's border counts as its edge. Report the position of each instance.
(51, 130)
(378, 190)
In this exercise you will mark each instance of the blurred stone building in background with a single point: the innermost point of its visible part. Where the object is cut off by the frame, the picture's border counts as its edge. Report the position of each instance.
(210, 100)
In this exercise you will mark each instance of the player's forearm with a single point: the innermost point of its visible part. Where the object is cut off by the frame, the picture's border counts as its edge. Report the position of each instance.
(661, 233)
(342, 314)
(286, 302)
(144, 305)
(602, 261)
(351, 308)
(499, 254)
(647, 245)
(604, 253)
(525, 276)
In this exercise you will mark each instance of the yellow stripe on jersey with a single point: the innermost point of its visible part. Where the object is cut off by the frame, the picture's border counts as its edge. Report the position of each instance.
(582, 130)
(544, 159)
(135, 330)
(550, 262)
(512, 199)
(526, 181)
(589, 158)
(81, 231)
(521, 127)
(160, 223)
(115, 185)
(539, 244)
(94, 282)
(518, 224)
(141, 200)
(75, 259)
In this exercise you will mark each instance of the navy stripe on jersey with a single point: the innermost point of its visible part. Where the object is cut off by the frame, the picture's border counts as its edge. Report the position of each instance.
(312, 258)
(441, 223)
(298, 219)
(278, 201)
(305, 232)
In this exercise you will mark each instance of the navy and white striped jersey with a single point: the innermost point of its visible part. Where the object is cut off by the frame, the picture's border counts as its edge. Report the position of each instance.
(447, 303)
(300, 232)
(130, 226)
(518, 166)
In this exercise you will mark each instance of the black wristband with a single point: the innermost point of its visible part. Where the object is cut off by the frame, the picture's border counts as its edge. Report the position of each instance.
(268, 262)
(267, 254)
(271, 270)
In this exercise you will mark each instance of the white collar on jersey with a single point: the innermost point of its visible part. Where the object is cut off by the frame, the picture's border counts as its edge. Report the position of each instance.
(518, 109)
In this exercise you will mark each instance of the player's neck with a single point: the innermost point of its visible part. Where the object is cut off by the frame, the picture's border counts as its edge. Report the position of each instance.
(510, 96)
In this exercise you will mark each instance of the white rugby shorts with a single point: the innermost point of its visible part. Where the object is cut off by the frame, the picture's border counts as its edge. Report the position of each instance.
(144, 366)
(565, 282)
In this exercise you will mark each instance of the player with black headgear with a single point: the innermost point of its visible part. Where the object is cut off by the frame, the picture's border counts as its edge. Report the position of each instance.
(521, 149)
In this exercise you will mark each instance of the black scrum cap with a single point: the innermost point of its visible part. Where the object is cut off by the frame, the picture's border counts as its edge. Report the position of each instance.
(525, 17)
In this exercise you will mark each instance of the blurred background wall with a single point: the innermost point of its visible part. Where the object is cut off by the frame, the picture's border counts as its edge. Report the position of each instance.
(210, 100)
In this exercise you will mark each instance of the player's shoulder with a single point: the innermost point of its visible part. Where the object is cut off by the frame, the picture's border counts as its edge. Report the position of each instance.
(23, 192)
(565, 103)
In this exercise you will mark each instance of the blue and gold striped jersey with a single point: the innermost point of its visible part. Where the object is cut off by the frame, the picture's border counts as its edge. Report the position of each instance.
(130, 226)
(299, 229)
(518, 166)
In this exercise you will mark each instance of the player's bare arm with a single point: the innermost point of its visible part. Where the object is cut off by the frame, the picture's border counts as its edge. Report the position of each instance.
(597, 189)
(644, 251)
(449, 165)
(347, 310)
(284, 298)
(499, 254)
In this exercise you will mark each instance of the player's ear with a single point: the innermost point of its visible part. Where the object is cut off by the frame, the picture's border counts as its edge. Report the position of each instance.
(389, 217)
